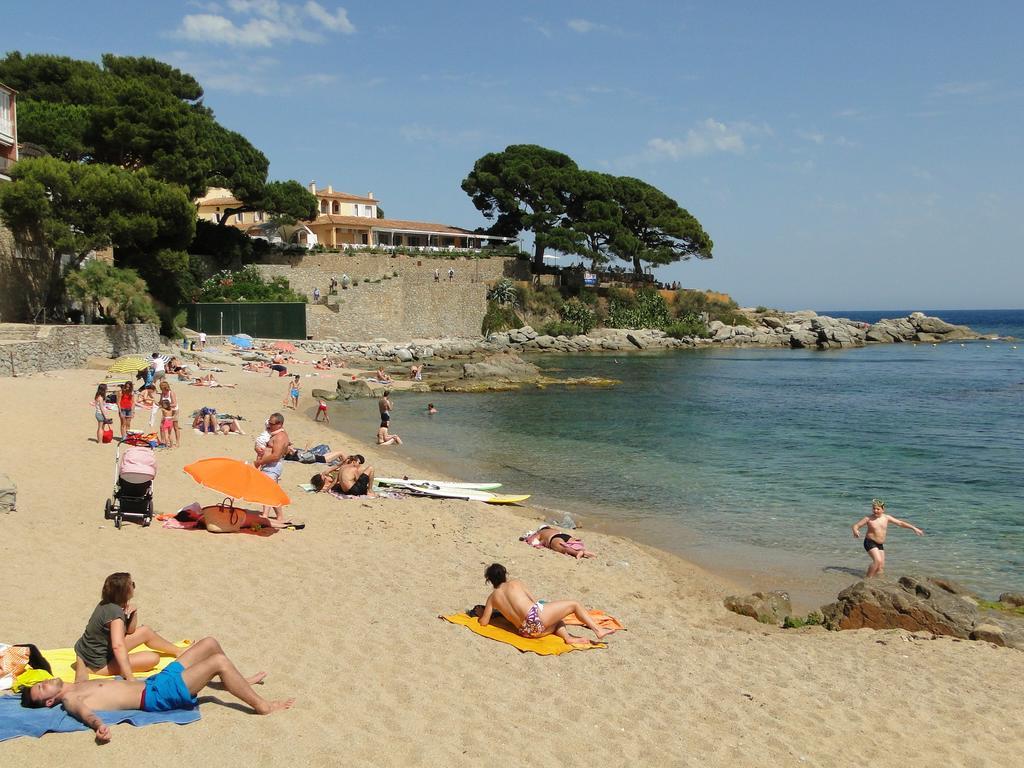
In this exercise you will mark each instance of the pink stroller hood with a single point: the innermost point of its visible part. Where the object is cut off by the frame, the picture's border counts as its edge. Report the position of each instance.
(138, 462)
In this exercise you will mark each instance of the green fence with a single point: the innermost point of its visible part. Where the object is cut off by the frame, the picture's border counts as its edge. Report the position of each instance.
(267, 320)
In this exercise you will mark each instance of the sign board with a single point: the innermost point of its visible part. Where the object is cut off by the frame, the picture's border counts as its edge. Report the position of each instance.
(590, 279)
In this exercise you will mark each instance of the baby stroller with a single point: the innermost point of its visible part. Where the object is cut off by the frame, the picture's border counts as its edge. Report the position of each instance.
(133, 486)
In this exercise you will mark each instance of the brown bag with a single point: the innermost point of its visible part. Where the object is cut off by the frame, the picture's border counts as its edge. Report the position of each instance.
(222, 519)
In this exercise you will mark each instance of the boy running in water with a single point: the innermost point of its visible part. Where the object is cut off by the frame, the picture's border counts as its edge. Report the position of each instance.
(874, 541)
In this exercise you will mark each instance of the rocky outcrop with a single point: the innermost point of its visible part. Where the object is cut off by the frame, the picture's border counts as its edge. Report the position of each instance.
(920, 604)
(504, 366)
(766, 607)
(1014, 599)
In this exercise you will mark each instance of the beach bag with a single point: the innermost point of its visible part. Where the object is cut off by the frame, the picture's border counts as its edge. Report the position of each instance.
(320, 450)
(306, 457)
(221, 519)
(108, 434)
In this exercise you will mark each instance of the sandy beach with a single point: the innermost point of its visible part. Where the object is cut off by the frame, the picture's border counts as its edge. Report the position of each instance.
(344, 616)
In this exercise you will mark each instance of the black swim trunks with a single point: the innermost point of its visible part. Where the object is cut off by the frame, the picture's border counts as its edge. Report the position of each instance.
(870, 544)
(360, 487)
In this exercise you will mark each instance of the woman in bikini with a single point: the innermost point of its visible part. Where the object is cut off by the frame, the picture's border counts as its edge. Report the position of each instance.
(559, 541)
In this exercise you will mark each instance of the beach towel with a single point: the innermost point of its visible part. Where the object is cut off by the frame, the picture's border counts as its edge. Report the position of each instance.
(381, 494)
(16, 720)
(502, 631)
(62, 662)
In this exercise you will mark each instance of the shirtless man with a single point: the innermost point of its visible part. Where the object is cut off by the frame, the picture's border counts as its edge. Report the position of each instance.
(559, 541)
(874, 541)
(270, 455)
(351, 478)
(386, 438)
(173, 688)
(384, 406)
(530, 616)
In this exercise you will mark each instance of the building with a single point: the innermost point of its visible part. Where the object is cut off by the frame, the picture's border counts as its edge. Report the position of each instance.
(8, 131)
(346, 221)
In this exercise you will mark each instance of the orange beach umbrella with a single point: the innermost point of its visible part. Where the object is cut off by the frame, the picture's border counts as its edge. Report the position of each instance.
(240, 481)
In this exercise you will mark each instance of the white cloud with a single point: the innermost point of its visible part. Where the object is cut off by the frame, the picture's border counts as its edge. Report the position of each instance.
(337, 21)
(706, 138)
(264, 23)
(540, 26)
(960, 88)
(581, 25)
(816, 137)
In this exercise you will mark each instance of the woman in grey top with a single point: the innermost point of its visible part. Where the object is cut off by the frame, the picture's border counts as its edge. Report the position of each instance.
(113, 632)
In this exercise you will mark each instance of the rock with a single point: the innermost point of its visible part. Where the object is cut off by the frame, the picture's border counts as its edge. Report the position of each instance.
(544, 342)
(633, 339)
(772, 322)
(566, 521)
(1015, 599)
(932, 325)
(503, 366)
(766, 607)
(325, 394)
(803, 339)
(8, 494)
(911, 603)
(404, 355)
(988, 633)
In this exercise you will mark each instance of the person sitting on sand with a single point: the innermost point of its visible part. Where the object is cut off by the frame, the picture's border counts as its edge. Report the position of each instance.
(874, 541)
(205, 420)
(386, 438)
(351, 478)
(416, 372)
(113, 632)
(532, 617)
(382, 377)
(173, 688)
(557, 540)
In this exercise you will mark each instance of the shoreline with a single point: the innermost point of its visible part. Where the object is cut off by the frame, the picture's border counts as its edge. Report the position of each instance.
(344, 617)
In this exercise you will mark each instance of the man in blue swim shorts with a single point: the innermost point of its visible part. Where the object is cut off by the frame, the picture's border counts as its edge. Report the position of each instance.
(173, 688)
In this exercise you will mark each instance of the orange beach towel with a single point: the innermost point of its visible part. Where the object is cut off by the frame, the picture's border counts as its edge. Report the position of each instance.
(502, 631)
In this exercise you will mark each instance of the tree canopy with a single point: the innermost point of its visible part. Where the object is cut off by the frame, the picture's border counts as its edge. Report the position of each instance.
(524, 188)
(595, 215)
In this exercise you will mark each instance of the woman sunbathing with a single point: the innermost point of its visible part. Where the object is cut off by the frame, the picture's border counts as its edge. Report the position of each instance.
(557, 540)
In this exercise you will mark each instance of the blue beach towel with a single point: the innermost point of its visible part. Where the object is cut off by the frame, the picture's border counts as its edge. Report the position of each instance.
(16, 720)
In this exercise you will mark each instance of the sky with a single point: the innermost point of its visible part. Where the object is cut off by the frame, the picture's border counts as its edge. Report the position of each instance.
(841, 155)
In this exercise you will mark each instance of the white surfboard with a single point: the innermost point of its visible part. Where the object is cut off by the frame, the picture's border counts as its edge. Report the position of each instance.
(438, 484)
(467, 494)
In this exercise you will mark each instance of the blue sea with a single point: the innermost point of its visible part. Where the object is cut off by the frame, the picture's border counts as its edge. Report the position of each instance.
(755, 463)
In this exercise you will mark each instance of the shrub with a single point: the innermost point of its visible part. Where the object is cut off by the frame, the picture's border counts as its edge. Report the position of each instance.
(688, 325)
(578, 314)
(813, 619)
(504, 292)
(544, 300)
(649, 310)
(560, 328)
(499, 317)
(247, 284)
(120, 293)
(689, 301)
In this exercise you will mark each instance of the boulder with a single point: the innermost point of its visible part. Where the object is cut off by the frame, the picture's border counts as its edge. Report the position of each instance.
(404, 355)
(803, 339)
(766, 607)
(988, 633)
(912, 603)
(1016, 599)
(634, 339)
(8, 494)
(503, 366)
(545, 341)
(772, 322)
(932, 325)
(325, 394)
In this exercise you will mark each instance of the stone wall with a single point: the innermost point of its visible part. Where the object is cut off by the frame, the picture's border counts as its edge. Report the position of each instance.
(23, 278)
(400, 308)
(33, 348)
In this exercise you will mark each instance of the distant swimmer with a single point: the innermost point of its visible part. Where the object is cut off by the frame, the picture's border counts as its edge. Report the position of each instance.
(874, 540)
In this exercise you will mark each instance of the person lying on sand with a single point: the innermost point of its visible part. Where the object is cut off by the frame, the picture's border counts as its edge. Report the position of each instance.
(532, 617)
(173, 688)
(559, 541)
(351, 478)
(874, 541)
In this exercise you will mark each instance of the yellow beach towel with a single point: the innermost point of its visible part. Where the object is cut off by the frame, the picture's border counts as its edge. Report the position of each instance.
(502, 631)
(62, 661)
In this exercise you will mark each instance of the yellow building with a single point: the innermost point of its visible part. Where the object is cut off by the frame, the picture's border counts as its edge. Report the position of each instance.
(345, 220)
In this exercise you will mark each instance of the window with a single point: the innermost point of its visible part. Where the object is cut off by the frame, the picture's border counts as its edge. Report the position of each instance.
(323, 206)
(337, 208)
(6, 121)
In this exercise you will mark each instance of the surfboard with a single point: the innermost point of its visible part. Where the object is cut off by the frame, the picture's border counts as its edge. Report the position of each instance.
(438, 484)
(467, 494)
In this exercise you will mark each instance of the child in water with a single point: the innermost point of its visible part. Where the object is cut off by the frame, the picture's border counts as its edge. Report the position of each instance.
(874, 541)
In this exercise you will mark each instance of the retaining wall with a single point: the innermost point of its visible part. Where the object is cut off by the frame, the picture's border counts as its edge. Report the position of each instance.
(33, 348)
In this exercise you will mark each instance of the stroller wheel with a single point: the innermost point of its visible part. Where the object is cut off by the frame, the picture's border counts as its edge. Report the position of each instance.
(117, 520)
(106, 509)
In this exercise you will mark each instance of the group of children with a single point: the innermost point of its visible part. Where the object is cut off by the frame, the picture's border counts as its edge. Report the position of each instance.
(127, 400)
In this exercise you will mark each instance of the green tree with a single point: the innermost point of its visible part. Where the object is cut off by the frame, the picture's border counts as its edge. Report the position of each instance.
(74, 209)
(655, 229)
(593, 215)
(525, 188)
(120, 293)
(289, 201)
(247, 284)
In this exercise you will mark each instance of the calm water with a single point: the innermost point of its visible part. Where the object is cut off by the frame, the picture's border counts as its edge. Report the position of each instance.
(733, 456)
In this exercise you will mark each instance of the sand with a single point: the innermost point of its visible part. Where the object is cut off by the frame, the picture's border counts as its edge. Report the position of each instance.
(343, 616)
